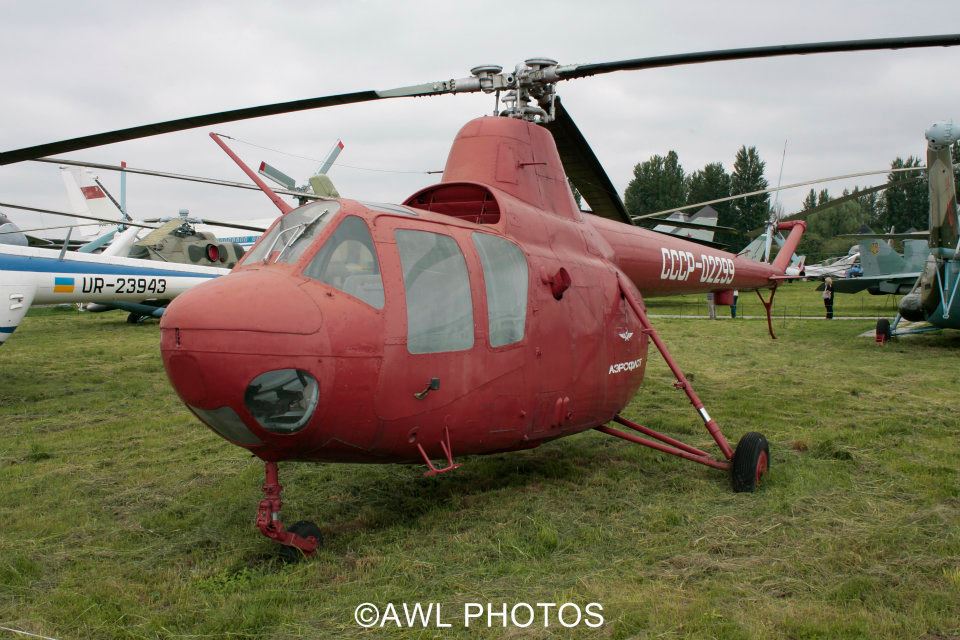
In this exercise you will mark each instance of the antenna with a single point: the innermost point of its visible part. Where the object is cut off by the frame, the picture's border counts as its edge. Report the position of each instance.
(774, 213)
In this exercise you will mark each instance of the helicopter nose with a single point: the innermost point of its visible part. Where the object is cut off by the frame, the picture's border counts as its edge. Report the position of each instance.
(249, 300)
(242, 350)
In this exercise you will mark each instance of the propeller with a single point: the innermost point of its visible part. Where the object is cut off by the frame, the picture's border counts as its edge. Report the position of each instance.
(215, 223)
(802, 215)
(533, 80)
(60, 226)
(805, 183)
(129, 223)
(76, 215)
(175, 176)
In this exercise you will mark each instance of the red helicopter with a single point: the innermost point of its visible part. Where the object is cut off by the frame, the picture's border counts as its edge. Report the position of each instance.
(485, 314)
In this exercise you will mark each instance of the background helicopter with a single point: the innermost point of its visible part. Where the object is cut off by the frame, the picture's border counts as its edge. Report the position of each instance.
(934, 296)
(369, 342)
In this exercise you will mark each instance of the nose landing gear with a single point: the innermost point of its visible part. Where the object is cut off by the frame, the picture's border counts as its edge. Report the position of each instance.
(301, 539)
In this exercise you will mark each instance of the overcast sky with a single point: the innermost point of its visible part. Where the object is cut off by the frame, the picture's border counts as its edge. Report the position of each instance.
(72, 69)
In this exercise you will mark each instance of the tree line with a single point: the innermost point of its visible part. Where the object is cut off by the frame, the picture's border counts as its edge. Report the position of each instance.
(661, 183)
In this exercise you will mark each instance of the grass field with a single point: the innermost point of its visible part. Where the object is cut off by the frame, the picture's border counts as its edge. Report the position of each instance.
(120, 516)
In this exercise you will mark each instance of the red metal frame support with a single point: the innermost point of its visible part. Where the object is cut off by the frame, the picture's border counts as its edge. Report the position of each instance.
(682, 382)
(666, 444)
(768, 305)
(447, 449)
(274, 198)
(268, 514)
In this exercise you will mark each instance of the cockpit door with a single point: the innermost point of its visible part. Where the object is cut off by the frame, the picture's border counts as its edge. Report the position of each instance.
(439, 370)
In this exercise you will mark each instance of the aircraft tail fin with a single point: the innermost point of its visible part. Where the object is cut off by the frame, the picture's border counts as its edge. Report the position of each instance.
(11, 233)
(878, 258)
(705, 217)
(915, 254)
(88, 198)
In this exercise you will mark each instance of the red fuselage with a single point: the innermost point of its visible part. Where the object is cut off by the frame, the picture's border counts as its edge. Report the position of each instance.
(490, 286)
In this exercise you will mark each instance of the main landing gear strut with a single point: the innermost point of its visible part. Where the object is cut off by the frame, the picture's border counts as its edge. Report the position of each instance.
(302, 538)
(747, 464)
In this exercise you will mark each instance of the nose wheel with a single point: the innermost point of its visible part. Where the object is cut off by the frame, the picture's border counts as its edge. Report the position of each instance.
(301, 539)
(751, 461)
(303, 529)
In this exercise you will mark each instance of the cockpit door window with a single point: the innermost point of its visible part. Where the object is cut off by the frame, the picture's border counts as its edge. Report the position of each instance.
(505, 276)
(439, 306)
(348, 262)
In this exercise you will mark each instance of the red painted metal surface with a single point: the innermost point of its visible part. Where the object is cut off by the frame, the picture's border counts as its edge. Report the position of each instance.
(585, 335)
(661, 437)
(659, 446)
(274, 198)
(268, 514)
(762, 465)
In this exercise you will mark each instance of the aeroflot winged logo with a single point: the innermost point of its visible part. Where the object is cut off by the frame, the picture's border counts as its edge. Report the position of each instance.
(626, 335)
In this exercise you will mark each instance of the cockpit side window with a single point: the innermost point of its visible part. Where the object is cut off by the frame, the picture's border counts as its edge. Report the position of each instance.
(505, 277)
(348, 261)
(439, 306)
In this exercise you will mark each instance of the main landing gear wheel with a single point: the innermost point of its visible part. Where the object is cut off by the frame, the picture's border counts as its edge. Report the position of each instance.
(883, 330)
(751, 461)
(135, 318)
(304, 529)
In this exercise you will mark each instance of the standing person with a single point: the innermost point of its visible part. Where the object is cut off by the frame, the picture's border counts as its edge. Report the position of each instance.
(828, 297)
(711, 307)
(733, 307)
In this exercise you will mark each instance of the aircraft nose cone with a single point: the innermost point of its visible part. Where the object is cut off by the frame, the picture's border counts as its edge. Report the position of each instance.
(248, 300)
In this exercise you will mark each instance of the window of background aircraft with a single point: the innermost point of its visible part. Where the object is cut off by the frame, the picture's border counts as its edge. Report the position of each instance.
(348, 261)
(505, 277)
(439, 308)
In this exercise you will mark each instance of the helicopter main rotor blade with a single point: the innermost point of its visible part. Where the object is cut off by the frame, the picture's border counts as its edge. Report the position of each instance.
(584, 169)
(61, 226)
(182, 124)
(805, 183)
(215, 223)
(175, 176)
(802, 215)
(125, 223)
(232, 225)
(750, 53)
(466, 85)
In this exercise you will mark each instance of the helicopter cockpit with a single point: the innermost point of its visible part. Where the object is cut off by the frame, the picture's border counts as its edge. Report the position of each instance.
(292, 234)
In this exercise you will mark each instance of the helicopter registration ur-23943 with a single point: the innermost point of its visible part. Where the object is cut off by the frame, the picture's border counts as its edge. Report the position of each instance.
(484, 314)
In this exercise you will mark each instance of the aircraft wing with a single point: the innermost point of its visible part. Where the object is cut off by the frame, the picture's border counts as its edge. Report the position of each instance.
(50, 243)
(886, 283)
(913, 235)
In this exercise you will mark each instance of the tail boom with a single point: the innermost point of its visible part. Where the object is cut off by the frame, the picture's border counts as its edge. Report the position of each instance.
(661, 265)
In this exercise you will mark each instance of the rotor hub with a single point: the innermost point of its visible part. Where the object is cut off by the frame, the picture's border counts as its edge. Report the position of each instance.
(531, 90)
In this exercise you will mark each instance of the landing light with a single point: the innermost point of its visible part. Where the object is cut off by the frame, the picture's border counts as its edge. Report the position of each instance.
(282, 401)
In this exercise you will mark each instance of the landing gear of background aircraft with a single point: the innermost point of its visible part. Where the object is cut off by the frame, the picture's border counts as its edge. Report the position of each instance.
(883, 331)
(751, 461)
(135, 318)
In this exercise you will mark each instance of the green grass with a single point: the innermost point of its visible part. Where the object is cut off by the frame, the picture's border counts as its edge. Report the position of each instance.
(791, 299)
(120, 516)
